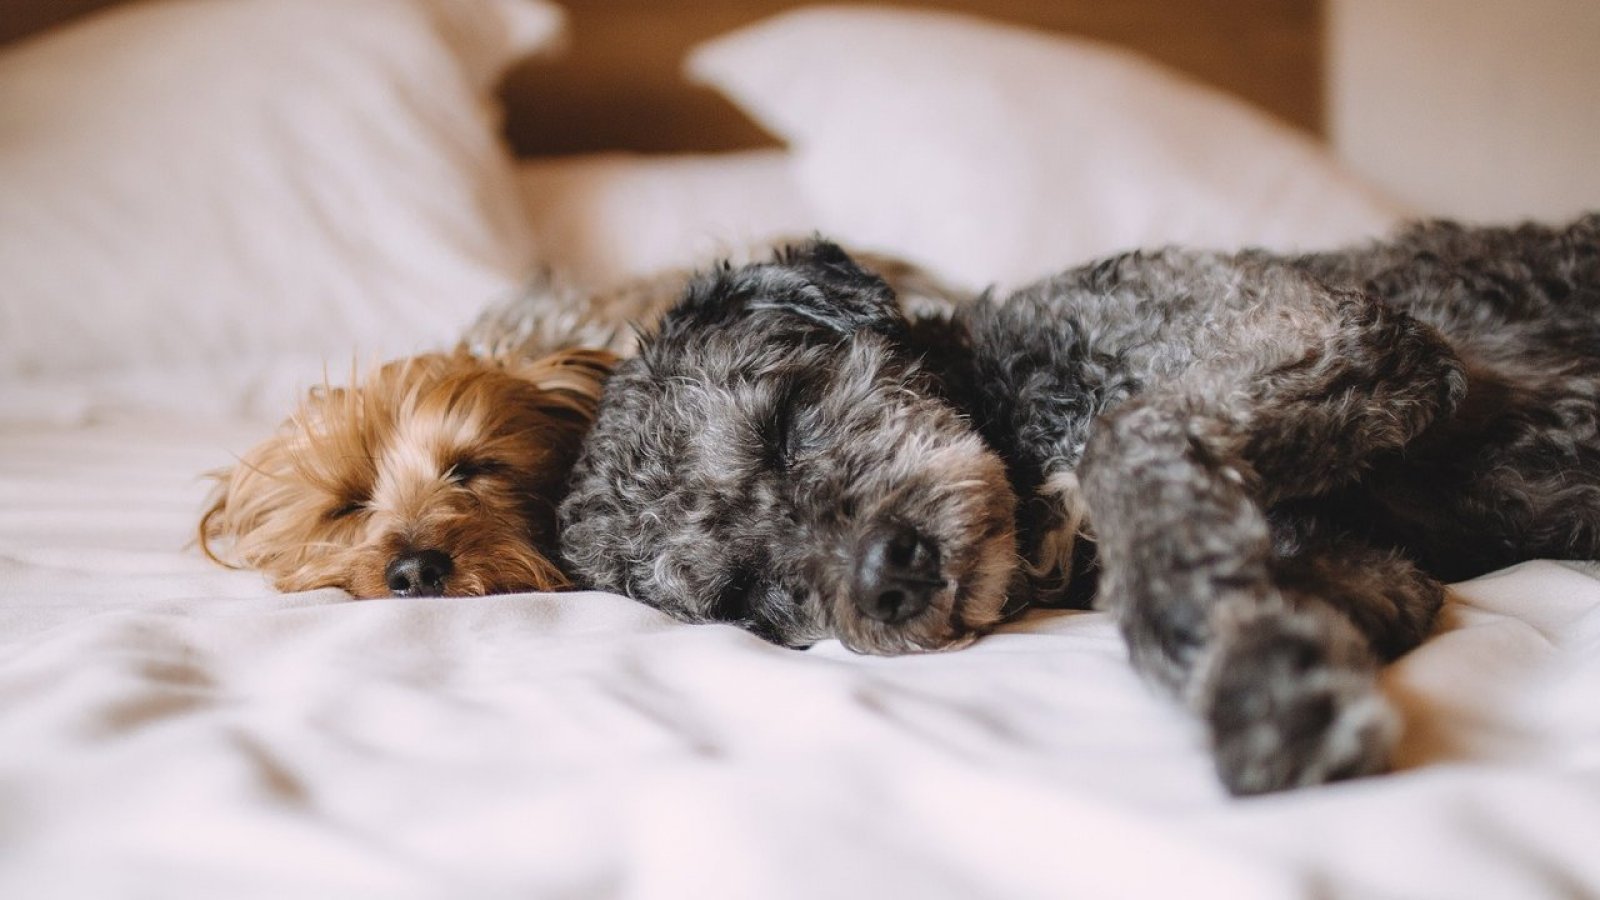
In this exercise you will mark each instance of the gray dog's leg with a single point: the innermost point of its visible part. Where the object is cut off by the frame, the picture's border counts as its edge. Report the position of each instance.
(1279, 660)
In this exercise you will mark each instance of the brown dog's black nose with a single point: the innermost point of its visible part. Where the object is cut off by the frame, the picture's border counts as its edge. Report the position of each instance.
(897, 574)
(418, 573)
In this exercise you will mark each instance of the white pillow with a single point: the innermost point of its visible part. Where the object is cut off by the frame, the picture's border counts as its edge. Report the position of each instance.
(609, 217)
(998, 154)
(201, 180)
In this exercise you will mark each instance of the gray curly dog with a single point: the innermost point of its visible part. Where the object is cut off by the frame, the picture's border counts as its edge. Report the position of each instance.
(1262, 466)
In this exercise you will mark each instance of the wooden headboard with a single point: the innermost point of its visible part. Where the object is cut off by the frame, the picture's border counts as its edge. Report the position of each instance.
(619, 88)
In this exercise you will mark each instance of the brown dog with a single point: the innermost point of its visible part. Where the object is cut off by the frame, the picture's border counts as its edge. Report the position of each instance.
(436, 475)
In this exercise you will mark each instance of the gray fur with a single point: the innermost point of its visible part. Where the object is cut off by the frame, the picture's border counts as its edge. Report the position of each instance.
(1260, 465)
(553, 312)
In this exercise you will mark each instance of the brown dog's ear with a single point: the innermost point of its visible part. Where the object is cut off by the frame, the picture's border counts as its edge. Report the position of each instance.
(572, 379)
(257, 496)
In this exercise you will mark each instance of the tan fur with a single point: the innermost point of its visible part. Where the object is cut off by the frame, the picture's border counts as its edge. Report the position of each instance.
(454, 452)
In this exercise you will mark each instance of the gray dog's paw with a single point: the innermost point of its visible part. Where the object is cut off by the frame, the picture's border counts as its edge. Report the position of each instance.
(1290, 708)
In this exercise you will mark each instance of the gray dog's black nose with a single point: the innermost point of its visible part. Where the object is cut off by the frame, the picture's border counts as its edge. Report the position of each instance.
(897, 574)
(418, 573)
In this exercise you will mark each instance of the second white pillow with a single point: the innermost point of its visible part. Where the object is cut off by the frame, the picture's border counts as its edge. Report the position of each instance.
(998, 154)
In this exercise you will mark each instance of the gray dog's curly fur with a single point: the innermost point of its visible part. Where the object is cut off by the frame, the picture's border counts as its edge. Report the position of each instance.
(1262, 466)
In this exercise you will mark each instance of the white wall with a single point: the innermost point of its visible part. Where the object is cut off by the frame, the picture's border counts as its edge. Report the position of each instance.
(1477, 109)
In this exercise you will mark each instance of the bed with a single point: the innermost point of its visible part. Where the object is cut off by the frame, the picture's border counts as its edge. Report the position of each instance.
(209, 206)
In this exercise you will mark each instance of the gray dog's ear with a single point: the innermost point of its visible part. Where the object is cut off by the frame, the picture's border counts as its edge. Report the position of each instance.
(815, 282)
(844, 296)
(820, 254)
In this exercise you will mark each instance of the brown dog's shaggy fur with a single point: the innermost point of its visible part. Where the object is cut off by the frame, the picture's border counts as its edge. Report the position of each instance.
(436, 475)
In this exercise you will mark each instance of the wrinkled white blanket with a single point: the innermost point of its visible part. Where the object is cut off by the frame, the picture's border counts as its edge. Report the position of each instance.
(171, 729)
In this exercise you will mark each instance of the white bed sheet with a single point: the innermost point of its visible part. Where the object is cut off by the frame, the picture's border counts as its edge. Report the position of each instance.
(171, 729)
